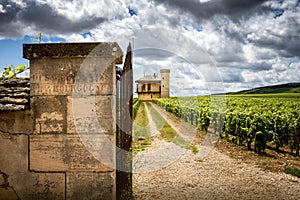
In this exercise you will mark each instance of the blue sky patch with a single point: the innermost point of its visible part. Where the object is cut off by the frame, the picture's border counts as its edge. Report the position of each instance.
(189, 27)
(277, 12)
(87, 34)
(131, 12)
(199, 29)
(11, 50)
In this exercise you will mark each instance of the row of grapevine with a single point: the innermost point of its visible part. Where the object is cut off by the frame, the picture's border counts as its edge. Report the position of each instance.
(247, 120)
(135, 107)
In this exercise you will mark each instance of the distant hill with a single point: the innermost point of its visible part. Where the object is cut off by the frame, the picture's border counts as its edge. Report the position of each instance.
(283, 88)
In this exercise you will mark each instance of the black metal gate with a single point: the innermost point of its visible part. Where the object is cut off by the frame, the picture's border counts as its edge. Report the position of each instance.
(124, 128)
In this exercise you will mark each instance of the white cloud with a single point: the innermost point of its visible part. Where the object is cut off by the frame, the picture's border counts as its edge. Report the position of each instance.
(280, 65)
(76, 9)
(245, 63)
(22, 4)
(204, 1)
(249, 48)
(2, 10)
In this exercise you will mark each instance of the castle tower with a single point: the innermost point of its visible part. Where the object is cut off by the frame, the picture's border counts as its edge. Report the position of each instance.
(165, 83)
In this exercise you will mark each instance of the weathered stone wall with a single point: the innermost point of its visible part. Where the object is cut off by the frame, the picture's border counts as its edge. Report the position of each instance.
(63, 146)
(147, 93)
(148, 96)
(144, 86)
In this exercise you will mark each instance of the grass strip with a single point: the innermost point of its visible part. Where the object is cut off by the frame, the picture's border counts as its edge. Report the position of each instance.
(167, 132)
(141, 128)
(141, 131)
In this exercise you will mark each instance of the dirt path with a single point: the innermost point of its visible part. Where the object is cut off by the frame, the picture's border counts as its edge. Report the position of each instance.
(159, 155)
(216, 176)
(153, 129)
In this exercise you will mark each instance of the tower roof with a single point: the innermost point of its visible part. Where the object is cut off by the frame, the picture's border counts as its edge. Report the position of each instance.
(148, 79)
(152, 78)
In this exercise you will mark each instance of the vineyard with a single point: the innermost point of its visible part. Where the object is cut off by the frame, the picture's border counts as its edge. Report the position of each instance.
(255, 121)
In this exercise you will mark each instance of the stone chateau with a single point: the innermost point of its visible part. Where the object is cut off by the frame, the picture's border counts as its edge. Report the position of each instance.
(150, 87)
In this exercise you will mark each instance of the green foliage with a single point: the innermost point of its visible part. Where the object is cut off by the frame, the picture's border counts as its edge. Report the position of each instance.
(294, 171)
(194, 149)
(167, 132)
(249, 119)
(12, 71)
(141, 130)
(157, 118)
(135, 107)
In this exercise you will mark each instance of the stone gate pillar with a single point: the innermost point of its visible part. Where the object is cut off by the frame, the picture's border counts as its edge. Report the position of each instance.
(73, 88)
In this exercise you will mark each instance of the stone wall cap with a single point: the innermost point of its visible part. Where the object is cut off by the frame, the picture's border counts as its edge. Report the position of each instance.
(83, 49)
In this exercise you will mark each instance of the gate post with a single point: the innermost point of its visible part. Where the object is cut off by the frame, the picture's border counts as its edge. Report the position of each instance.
(124, 129)
(72, 88)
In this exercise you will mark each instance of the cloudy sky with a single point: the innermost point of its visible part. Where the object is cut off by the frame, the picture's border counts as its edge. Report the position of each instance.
(209, 45)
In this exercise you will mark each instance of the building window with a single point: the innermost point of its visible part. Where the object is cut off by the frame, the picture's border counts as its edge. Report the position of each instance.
(149, 86)
(143, 88)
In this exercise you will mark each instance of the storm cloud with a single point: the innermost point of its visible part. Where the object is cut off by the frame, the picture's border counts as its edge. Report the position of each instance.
(235, 9)
(248, 43)
(22, 17)
(280, 16)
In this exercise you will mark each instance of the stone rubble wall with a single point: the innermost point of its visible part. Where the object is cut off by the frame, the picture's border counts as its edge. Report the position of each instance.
(14, 94)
